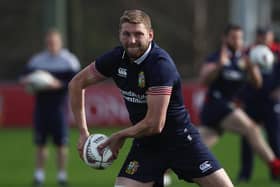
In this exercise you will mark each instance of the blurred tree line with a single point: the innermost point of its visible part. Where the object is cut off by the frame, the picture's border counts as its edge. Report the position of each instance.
(187, 29)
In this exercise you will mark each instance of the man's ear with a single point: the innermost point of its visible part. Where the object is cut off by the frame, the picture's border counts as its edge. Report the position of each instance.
(151, 34)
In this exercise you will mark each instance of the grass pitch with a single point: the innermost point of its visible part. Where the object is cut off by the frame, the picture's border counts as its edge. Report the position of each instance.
(17, 162)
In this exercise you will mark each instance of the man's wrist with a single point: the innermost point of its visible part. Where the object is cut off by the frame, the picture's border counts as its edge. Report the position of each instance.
(119, 135)
(84, 131)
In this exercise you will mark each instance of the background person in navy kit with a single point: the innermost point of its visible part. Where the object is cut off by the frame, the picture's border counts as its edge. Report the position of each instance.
(262, 106)
(151, 88)
(225, 72)
(51, 104)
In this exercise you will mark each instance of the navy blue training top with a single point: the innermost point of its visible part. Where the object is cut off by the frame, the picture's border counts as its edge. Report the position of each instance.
(135, 78)
(230, 79)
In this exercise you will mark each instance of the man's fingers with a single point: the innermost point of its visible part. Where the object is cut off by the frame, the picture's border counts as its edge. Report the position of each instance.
(81, 154)
(80, 148)
(101, 147)
(112, 158)
(80, 151)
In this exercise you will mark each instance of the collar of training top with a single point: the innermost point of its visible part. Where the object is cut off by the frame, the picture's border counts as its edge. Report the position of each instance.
(141, 58)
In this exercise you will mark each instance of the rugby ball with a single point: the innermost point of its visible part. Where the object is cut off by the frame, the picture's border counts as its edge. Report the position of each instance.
(91, 155)
(263, 56)
(38, 80)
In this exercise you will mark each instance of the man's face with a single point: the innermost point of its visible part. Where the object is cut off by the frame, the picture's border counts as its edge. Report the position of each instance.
(53, 43)
(135, 39)
(234, 40)
(269, 38)
(265, 38)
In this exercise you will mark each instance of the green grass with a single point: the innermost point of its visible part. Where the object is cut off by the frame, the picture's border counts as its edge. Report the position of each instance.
(17, 162)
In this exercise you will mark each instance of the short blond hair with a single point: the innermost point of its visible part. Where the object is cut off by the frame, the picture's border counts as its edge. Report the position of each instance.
(136, 17)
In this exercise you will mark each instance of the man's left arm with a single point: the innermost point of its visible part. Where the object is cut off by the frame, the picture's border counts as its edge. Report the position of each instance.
(157, 100)
(154, 120)
(255, 77)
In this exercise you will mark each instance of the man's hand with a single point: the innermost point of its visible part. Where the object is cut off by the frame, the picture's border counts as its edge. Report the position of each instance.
(224, 58)
(23, 80)
(254, 73)
(115, 143)
(81, 142)
(55, 84)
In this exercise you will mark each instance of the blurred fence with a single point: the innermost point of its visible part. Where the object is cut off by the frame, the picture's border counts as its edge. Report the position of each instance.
(187, 29)
(90, 27)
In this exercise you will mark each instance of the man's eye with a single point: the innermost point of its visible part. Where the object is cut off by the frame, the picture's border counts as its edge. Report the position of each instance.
(138, 34)
(126, 34)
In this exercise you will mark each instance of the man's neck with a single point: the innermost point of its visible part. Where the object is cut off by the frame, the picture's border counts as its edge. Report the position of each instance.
(143, 57)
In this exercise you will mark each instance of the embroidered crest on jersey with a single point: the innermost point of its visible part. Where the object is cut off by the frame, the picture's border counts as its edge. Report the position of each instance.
(122, 72)
(141, 79)
(241, 63)
(132, 167)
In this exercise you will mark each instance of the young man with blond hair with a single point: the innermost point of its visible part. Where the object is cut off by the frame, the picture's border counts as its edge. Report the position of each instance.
(149, 82)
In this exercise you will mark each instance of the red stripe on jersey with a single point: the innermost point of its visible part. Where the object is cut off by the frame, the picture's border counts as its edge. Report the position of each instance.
(160, 90)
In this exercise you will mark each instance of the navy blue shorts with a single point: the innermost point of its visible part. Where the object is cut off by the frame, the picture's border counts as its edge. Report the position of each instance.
(56, 128)
(256, 112)
(214, 111)
(185, 154)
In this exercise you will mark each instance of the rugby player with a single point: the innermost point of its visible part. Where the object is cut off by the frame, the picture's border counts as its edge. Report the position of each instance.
(151, 88)
(225, 72)
(51, 104)
(262, 105)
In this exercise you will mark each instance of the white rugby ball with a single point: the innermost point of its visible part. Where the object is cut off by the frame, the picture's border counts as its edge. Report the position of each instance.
(263, 56)
(91, 155)
(38, 80)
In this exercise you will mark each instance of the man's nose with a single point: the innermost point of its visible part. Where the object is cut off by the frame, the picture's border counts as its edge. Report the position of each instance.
(132, 39)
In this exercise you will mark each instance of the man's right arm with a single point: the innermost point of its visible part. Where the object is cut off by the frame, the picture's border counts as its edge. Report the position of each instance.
(208, 73)
(210, 70)
(83, 79)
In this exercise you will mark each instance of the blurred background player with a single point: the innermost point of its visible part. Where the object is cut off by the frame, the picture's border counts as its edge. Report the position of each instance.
(51, 103)
(262, 105)
(225, 72)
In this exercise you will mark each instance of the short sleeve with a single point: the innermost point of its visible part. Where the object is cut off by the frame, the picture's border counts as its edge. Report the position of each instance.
(31, 65)
(75, 64)
(162, 73)
(106, 63)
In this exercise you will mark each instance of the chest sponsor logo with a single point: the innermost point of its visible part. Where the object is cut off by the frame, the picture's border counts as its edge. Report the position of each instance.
(241, 64)
(205, 166)
(132, 97)
(232, 75)
(122, 72)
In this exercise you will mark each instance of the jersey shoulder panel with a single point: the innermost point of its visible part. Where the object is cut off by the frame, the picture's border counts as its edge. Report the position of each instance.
(106, 63)
(36, 60)
(71, 60)
(160, 68)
